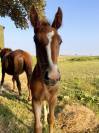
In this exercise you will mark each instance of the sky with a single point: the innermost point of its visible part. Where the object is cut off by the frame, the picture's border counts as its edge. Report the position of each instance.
(79, 31)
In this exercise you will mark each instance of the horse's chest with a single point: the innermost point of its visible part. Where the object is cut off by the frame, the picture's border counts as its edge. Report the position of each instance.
(41, 91)
(49, 92)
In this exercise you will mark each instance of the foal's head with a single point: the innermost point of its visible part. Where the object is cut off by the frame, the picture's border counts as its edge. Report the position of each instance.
(47, 42)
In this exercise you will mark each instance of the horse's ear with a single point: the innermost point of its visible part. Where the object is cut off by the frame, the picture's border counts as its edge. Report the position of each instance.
(58, 19)
(34, 18)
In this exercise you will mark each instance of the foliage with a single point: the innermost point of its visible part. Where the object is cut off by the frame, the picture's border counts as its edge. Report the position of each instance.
(18, 10)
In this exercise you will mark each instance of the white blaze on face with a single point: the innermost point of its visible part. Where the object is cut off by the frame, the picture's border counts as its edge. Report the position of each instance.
(53, 66)
(48, 48)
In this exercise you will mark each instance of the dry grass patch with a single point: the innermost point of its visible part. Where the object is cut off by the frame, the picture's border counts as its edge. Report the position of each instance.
(77, 119)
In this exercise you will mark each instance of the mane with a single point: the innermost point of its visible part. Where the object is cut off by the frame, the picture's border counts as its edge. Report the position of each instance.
(4, 51)
(45, 23)
(7, 49)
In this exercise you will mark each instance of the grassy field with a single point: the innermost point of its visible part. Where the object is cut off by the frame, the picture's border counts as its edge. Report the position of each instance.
(80, 81)
(79, 84)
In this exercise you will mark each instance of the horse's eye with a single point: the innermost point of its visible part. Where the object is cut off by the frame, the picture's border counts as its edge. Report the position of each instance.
(36, 39)
(60, 41)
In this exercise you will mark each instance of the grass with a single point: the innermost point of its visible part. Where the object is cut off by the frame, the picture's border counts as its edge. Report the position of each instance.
(79, 84)
(84, 58)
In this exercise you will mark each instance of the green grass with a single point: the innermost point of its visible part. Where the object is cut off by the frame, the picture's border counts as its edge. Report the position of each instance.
(84, 58)
(79, 84)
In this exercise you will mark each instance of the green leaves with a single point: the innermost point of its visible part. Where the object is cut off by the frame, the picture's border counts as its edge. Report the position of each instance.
(18, 10)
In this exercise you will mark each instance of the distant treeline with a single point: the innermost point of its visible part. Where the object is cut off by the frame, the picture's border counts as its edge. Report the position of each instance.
(83, 58)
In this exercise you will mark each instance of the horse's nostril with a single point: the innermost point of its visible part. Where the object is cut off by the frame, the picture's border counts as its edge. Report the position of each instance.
(51, 76)
(46, 76)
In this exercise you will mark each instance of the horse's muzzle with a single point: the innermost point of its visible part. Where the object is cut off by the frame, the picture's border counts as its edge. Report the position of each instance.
(51, 81)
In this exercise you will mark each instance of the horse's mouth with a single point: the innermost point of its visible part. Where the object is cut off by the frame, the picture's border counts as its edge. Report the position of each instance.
(50, 82)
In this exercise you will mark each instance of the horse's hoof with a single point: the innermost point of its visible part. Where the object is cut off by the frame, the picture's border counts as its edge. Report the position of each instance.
(38, 130)
(20, 97)
(12, 90)
(20, 94)
(29, 98)
(1, 89)
(45, 126)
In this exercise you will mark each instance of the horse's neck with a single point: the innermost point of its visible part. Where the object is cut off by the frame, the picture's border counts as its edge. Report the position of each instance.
(36, 72)
(39, 69)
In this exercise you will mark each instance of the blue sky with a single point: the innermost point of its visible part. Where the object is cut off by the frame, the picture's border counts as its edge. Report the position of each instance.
(80, 29)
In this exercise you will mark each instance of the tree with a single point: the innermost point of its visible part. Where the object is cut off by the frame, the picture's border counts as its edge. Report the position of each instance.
(18, 10)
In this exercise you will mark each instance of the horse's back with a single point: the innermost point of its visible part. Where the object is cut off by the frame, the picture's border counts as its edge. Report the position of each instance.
(16, 62)
(22, 60)
(23, 54)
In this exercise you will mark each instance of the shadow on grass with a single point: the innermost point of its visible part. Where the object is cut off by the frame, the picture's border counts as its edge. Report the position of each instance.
(9, 123)
(12, 95)
(58, 109)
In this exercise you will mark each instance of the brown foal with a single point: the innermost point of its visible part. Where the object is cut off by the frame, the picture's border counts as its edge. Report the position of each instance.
(45, 76)
(15, 63)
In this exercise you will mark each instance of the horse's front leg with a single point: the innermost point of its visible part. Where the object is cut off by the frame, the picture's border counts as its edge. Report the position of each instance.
(2, 80)
(51, 117)
(18, 84)
(45, 113)
(3, 76)
(28, 84)
(29, 96)
(37, 115)
(13, 80)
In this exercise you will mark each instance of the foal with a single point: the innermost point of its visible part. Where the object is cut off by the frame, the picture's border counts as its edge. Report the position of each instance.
(45, 76)
(14, 63)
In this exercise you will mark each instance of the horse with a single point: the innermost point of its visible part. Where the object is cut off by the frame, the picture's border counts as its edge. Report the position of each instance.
(45, 76)
(15, 63)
